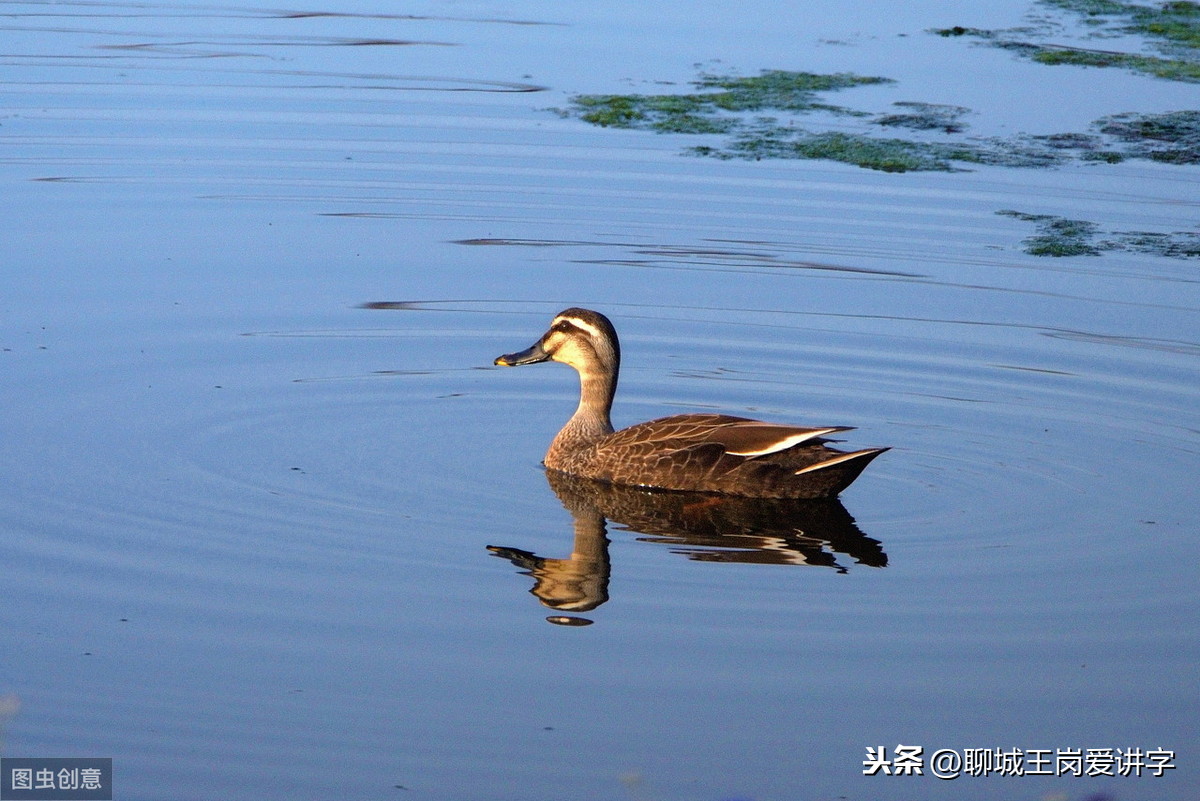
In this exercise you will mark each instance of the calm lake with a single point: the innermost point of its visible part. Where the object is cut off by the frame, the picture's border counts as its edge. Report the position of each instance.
(272, 526)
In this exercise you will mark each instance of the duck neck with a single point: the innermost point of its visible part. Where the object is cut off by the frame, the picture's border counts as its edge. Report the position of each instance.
(591, 420)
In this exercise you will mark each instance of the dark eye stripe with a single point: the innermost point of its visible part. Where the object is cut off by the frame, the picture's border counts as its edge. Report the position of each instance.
(565, 326)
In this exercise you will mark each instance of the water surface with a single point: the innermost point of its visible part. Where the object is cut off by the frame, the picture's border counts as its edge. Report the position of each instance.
(258, 263)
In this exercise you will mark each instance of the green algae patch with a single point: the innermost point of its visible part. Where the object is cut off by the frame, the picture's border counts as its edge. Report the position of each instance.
(780, 89)
(884, 154)
(1175, 245)
(766, 117)
(1171, 138)
(662, 113)
(1170, 26)
(1061, 236)
(744, 107)
(715, 110)
(1171, 69)
(1173, 29)
(746, 110)
(1057, 236)
(925, 117)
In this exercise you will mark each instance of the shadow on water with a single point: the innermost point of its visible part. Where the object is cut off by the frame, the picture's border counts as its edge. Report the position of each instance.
(702, 527)
(75, 9)
(713, 255)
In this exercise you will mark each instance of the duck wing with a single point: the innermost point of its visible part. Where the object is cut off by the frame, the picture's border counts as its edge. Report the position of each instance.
(727, 454)
(736, 436)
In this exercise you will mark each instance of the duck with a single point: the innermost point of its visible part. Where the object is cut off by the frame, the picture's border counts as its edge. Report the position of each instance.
(717, 454)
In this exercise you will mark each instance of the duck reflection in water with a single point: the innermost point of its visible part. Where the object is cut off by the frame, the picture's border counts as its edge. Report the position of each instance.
(702, 527)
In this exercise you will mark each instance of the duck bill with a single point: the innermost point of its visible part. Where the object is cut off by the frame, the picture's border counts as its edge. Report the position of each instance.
(531, 355)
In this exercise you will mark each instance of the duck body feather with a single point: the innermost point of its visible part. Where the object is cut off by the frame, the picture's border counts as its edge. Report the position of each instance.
(716, 453)
(712, 453)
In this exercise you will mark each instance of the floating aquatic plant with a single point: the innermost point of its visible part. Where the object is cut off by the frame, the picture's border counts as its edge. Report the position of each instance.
(925, 117)
(724, 104)
(733, 107)
(1172, 138)
(715, 110)
(888, 155)
(1061, 236)
(1057, 236)
(1172, 25)
(1169, 68)
(1173, 28)
(766, 116)
(1175, 245)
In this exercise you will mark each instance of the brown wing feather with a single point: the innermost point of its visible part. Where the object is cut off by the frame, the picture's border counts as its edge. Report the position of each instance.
(721, 453)
(737, 435)
(761, 439)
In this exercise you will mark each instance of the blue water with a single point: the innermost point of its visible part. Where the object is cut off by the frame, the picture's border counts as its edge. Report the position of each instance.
(257, 264)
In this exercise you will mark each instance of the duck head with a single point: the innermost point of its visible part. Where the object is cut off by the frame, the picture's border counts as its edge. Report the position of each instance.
(582, 338)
